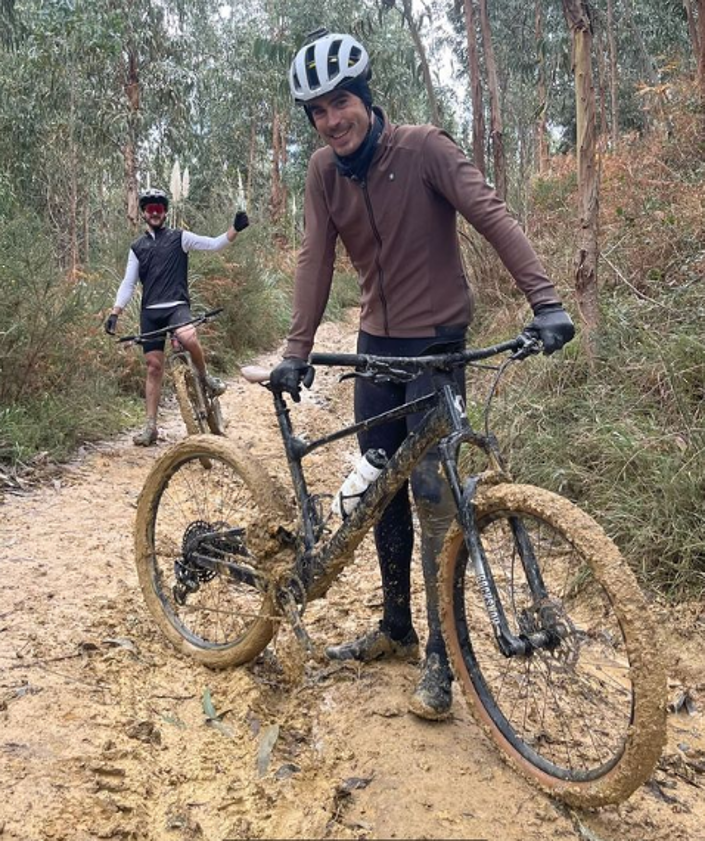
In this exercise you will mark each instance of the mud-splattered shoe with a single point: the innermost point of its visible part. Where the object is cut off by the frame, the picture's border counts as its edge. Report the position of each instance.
(376, 645)
(214, 385)
(433, 697)
(147, 436)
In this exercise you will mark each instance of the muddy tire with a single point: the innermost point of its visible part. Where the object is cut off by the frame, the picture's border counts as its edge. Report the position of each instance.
(207, 614)
(216, 422)
(586, 721)
(185, 388)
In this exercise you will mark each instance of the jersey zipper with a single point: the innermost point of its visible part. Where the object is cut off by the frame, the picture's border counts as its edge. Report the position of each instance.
(380, 270)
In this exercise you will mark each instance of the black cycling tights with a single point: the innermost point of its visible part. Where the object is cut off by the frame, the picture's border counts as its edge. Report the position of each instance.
(394, 534)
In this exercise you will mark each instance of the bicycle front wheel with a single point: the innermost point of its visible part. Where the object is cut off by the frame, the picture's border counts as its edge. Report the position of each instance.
(188, 399)
(218, 614)
(216, 422)
(584, 718)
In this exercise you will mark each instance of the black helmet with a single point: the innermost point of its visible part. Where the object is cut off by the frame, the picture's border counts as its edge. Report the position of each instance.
(153, 197)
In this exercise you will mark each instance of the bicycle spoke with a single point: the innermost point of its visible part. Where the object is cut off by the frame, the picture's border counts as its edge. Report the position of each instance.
(570, 706)
(208, 605)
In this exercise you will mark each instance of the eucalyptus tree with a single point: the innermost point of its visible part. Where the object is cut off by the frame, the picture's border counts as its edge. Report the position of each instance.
(478, 116)
(415, 24)
(496, 122)
(585, 262)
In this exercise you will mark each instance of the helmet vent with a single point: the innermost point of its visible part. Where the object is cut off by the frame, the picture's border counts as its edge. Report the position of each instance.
(311, 70)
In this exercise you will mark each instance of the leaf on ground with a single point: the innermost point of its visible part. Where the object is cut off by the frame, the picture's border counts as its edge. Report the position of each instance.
(267, 741)
(213, 718)
(658, 791)
(121, 642)
(354, 783)
(683, 703)
(288, 769)
(208, 707)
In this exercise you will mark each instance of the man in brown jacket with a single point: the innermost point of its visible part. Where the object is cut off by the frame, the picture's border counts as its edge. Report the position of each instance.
(392, 194)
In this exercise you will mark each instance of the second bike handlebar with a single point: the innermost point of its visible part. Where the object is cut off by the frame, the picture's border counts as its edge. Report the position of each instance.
(138, 338)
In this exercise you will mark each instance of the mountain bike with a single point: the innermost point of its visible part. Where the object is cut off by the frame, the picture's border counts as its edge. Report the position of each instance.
(550, 638)
(200, 411)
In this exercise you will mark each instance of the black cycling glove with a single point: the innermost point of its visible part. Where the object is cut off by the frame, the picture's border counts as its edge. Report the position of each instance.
(111, 324)
(552, 325)
(290, 374)
(241, 221)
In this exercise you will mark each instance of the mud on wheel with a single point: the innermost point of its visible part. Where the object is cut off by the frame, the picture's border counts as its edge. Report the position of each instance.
(187, 399)
(584, 719)
(202, 539)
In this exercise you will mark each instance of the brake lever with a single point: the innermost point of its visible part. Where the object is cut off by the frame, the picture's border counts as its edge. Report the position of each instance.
(532, 345)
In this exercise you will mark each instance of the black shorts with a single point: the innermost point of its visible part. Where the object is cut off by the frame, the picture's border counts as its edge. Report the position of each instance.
(158, 319)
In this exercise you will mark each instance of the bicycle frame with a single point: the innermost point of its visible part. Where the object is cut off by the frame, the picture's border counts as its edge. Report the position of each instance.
(445, 425)
(202, 405)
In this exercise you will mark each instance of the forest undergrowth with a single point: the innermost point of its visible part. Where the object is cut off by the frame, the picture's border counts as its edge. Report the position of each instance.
(623, 437)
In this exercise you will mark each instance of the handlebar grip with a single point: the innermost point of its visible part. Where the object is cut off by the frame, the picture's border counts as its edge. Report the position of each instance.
(348, 360)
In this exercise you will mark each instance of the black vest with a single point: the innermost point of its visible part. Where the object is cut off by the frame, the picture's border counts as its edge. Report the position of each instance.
(163, 267)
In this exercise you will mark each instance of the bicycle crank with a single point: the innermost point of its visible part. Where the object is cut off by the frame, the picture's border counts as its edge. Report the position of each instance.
(288, 602)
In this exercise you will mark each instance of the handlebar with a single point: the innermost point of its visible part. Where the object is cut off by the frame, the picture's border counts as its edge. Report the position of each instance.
(139, 338)
(522, 346)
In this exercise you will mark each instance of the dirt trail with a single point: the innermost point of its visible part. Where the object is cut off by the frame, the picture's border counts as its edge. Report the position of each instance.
(103, 727)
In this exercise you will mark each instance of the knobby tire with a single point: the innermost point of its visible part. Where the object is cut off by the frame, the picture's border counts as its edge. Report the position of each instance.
(224, 622)
(605, 670)
(185, 387)
(216, 422)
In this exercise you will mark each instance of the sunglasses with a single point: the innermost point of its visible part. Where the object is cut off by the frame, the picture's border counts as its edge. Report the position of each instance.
(154, 208)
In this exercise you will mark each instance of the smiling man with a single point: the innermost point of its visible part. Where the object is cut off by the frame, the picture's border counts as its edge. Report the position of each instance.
(159, 260)
(392, 194)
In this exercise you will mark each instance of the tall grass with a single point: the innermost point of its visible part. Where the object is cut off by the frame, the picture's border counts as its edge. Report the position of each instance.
(624, 438)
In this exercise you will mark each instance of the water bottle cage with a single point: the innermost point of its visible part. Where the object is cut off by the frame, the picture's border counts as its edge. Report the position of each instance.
(343, 498)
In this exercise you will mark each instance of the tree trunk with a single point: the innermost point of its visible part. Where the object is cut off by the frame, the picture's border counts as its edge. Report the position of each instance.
(496, 129)
(251, 163)
(614, 85)
(602, 87)
(478, 115)
(418, 43)
(277, 195)
(701, 44)
(578, 20)
(693, 32)
(132, 94)
(540, 134)
(74, 258)
(647, 61)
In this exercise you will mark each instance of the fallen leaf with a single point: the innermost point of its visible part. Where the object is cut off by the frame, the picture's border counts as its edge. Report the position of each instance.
(267, 741)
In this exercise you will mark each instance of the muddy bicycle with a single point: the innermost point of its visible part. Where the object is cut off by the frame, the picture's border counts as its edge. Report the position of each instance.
(200, 411)
(549, 636)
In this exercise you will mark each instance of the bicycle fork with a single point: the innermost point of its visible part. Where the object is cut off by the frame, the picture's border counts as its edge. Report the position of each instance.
(509, 644)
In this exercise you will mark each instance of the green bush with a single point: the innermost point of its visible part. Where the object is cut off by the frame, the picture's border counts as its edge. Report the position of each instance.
(624, 439)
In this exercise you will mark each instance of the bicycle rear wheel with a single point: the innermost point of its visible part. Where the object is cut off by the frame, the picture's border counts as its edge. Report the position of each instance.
(228, 513)
(586, 720)
(188, 399)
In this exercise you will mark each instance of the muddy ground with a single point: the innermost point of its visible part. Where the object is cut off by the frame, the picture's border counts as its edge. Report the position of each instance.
(107, 733)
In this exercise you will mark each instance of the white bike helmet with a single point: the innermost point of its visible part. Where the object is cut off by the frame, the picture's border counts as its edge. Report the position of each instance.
(153, 197)
(328, 62)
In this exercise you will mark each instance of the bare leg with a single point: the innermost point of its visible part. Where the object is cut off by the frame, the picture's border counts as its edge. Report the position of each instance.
(189, 339)
(153, 387)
